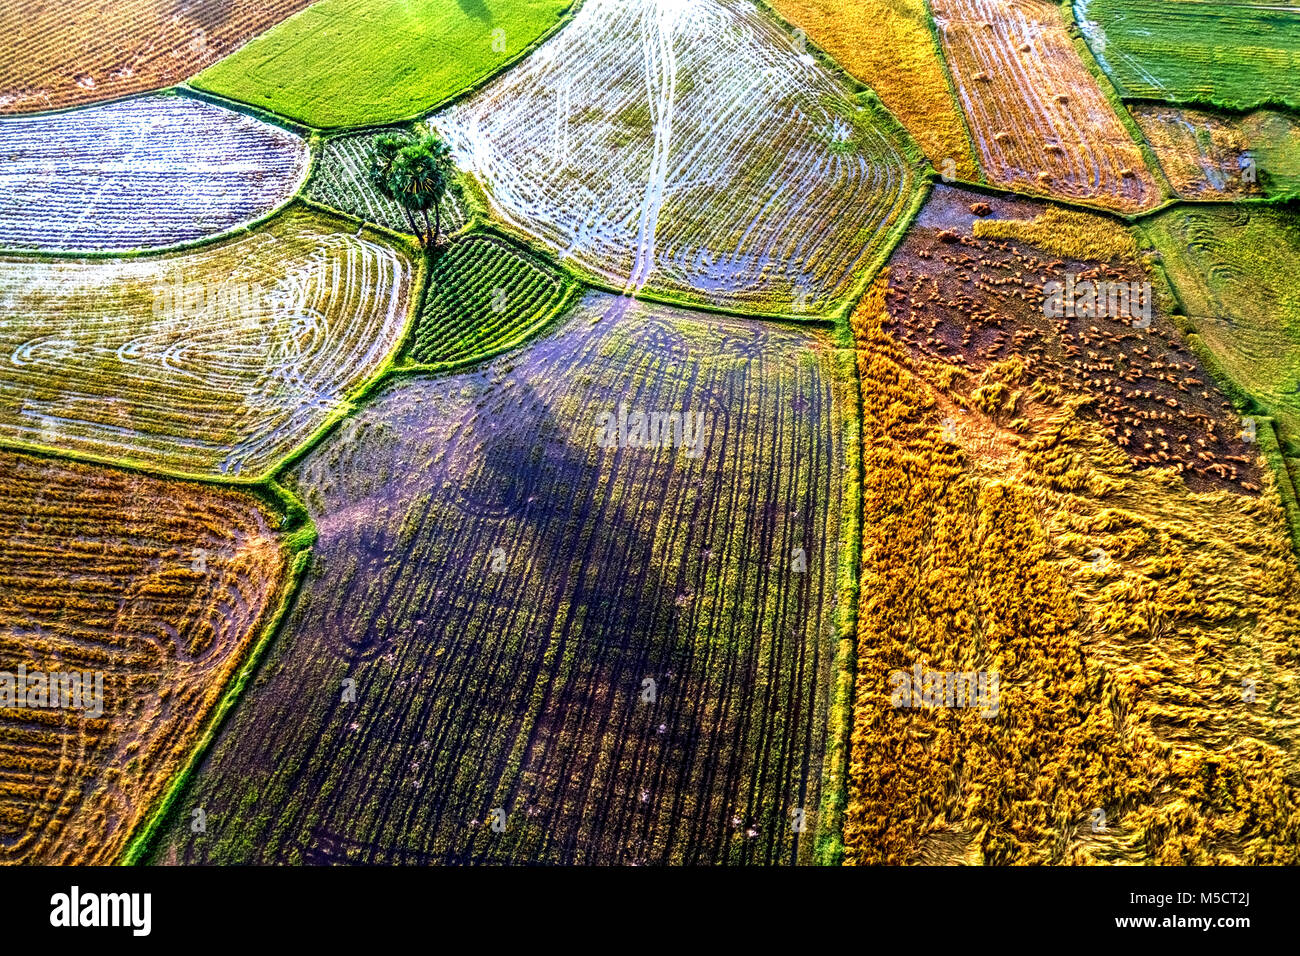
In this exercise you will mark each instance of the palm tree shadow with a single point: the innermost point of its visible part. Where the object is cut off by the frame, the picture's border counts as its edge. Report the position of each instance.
(208, 14)
(600, 547)
(476, 9)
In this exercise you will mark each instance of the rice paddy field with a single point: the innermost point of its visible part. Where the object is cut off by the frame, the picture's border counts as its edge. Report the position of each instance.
(1123, 592)
(626, 649)
(1210, 155)
(485, 296)
(140, 173)
(1233, 55)
(59, 55)
(705, 159)
(343, 63)
(891, 46)
(157, 587)
(778, 369)
(1041, 121)
(215, 361)
(1231, 270)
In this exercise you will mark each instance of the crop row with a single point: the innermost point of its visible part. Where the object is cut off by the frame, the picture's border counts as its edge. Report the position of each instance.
(341, 179)
(483, 293)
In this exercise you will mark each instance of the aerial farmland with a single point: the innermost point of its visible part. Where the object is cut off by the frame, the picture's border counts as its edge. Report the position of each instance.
(649, 432)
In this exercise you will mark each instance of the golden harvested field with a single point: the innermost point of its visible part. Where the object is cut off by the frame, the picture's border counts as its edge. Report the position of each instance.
(1040, 120)
(1144, 629)
(160, 587)
(887, 44)
(1062, 232)
(54, 55)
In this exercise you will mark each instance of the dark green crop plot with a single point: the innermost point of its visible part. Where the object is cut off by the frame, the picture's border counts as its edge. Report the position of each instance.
(1223, 54)
(485, 294)
(561, 651)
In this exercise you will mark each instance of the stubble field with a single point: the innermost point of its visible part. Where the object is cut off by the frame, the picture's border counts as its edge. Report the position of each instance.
(1210, 155)
(160, 588)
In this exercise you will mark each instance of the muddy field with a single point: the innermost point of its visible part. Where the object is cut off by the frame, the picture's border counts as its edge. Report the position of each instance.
(975, 301)
(1210, 155)
(623, 649)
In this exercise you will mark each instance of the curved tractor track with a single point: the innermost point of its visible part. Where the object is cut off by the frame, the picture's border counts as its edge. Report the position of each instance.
(210, 362)
(689, 149)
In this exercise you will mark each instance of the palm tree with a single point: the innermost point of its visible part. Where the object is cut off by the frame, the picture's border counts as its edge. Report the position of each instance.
(440, 153)
(383, 161)
(417, 175)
